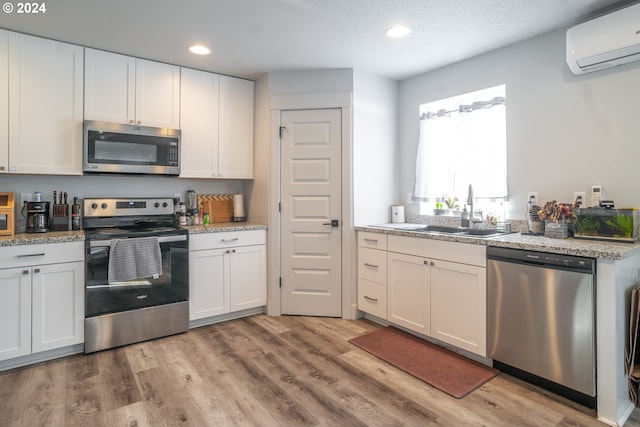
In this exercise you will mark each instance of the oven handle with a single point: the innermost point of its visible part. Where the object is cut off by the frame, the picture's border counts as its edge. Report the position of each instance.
(163, 239)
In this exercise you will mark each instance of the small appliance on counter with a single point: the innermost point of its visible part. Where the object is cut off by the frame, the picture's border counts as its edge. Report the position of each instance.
(397, 214)
(7, 224)
(38, 217)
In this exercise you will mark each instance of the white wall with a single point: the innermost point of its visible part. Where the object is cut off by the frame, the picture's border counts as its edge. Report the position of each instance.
(375, 182)
(564, 132)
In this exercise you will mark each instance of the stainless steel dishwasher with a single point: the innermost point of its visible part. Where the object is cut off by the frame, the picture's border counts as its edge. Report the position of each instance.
(541, 320)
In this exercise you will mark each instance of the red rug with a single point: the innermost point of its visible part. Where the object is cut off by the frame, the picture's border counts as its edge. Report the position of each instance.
(445, 370)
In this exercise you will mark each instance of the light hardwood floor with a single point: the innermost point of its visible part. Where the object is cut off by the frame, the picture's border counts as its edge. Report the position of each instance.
(263, 371)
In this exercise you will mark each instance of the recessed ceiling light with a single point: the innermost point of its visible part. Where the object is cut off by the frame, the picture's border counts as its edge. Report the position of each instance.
(398, 31)
(199, 49)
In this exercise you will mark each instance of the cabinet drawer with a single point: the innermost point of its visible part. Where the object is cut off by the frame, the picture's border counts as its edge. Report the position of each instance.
(372, 240)
(226, 239)
(48, 253)
(372, 298)
(372, 265)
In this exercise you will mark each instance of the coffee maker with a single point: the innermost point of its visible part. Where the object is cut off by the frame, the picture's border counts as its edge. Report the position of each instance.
(38, 217)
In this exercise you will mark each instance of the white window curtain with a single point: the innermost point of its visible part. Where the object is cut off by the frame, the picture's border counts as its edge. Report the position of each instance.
(463, 147)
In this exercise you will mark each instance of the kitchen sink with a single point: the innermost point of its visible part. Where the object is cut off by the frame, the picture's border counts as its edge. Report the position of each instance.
(443, 229)
(461, 231)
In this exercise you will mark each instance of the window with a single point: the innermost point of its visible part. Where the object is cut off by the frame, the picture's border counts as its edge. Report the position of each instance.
(463, 141)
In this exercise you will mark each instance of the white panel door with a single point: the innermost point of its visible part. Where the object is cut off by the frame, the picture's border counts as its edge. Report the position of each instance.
(157, 94)
(208, 284)
(46, 103)
(199, 93)
(15, 312)
(58, 305)
(459, 305)
(311, 199)
(409, 292)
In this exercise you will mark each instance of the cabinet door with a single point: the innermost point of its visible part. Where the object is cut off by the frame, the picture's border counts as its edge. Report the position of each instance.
(109, 90)
(409, 291)
(208, 286)
(46, 104)
(248, 277)
(236, 128)
(199, 93)
(458, 305)
(157, 94)
(58, 305)
(4, 101)
(15, 312)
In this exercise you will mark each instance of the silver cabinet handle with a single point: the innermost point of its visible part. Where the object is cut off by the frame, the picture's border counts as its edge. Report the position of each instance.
(230, 251)
(230, 240)
(370, 299)
(366, 264)
(30, 255)
(36, 270)
(371, 240)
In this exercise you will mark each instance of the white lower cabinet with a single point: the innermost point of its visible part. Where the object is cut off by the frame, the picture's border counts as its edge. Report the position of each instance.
(409, 292)
(41, 298)
(227, 272)
(436, 288)
(458, 305)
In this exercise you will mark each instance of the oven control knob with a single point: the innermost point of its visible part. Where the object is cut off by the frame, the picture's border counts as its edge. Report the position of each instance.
(103, 206)
(165, 204)
(157, 205)
(94, 205)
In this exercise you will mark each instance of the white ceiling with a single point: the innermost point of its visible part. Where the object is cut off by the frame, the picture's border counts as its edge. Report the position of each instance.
(251, 37)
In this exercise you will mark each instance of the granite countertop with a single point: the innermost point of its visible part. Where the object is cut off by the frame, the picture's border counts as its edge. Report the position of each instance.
(38, 238)
(571, 246)
(78, 235)
(218, 227)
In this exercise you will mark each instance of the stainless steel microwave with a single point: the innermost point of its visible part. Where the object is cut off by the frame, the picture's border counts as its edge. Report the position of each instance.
(120, 148)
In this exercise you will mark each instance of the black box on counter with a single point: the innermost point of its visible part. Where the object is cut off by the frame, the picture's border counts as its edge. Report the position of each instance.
(619, 225)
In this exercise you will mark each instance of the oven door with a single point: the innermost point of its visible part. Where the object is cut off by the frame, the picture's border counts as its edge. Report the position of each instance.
(170, 287)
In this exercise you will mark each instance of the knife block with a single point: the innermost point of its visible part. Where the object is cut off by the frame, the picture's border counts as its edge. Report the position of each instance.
(60, 220)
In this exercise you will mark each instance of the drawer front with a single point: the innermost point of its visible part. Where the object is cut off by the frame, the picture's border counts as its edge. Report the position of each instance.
(372, 240)
(372, 265)
(372, 298)
(227, 239)
(40, 254)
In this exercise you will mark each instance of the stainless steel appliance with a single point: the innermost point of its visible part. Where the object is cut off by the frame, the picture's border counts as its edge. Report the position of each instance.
(136, 272)
(541, 320)
(38, 220)
(118, 148)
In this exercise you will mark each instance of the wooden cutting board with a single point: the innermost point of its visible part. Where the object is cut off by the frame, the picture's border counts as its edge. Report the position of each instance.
(219, 206)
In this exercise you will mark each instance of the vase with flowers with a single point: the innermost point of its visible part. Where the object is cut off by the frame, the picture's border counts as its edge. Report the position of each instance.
(556, 217)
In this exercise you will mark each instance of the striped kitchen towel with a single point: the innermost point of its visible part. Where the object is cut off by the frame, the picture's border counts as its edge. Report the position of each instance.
(136, 258)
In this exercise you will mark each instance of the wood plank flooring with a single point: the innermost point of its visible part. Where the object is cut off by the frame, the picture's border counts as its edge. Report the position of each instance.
(262, 371)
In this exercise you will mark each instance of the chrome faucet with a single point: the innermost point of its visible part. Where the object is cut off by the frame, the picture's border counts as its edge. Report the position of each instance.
(472, 217)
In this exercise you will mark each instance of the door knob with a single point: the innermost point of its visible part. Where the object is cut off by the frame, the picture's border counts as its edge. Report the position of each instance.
(333, 223)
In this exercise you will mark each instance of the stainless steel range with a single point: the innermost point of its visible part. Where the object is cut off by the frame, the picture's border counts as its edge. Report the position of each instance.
(136, 272)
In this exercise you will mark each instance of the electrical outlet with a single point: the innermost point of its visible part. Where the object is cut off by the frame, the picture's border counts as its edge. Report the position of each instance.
(25, 197)
(532, 196)
(579, 197)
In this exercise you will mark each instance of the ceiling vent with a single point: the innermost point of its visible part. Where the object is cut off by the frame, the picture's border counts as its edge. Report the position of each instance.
(605, 42)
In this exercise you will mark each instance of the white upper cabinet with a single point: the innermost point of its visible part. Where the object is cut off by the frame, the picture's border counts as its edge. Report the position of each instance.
(4, 101)
(199, 94)
(236, 128)
(128, 90)
(45, 100)
(217, 126)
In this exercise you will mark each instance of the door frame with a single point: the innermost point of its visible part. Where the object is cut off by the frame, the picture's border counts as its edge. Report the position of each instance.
(313, 101)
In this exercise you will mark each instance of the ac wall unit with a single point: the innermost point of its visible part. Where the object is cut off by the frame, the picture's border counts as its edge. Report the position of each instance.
(604, 42)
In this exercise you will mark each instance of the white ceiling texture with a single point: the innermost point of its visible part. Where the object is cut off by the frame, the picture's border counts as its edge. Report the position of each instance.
(251, 37)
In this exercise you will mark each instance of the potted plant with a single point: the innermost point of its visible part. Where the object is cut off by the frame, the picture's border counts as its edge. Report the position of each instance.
(556, 216)
(451, 203)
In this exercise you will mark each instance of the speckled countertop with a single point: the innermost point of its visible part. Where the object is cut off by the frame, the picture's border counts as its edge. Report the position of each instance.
(38, 238)
(578, 247)
(78, 235)
(224, 226)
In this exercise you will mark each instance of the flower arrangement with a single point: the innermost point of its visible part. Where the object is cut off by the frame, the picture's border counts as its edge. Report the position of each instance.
(554, 211)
